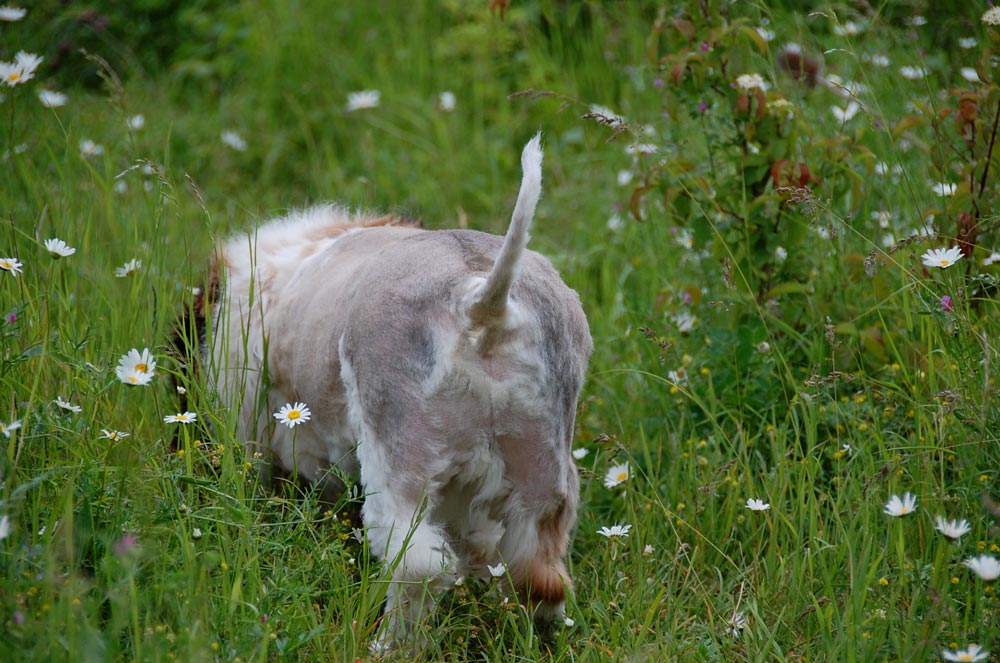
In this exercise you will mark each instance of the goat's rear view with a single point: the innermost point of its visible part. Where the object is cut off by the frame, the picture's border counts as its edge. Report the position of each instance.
(442, 366)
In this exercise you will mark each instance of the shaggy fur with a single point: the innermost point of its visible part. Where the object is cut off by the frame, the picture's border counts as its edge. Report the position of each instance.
(442, 369)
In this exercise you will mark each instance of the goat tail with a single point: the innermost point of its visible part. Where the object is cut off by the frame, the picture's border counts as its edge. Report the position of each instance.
(490, 300)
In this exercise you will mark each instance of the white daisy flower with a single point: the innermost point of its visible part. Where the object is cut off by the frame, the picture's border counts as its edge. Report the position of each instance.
(89, 148)
(986, 567)
(136, 368)
(66, 405)
(232, 139)
(647, 549)
(113, 435)
(640, 148)
(363, 99)
(991, 16)
(614, 117)
(51, 99)
(685, 321)
(181, 418)
(848, 29)
(972, 653)
(943, 258)
(59, 248)
(12, 265)
(896, 507)
(844, 115)
(748, 82)
(944, 188)
(447, 101)
(128, 268)
(970, 74)
(498, 571)
(293, 415)
(615, 531)
(10, 14)
(617, 475)
(953, 529)
(737, 623)
(21, 70)
(757, 505)
(912, 73)
(136, 122)
(580, 453)
(7, 429)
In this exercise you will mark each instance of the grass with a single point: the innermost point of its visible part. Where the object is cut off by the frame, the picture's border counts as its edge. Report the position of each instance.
(721, 371)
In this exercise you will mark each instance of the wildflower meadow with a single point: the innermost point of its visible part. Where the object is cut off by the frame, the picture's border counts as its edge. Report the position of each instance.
(781, 218)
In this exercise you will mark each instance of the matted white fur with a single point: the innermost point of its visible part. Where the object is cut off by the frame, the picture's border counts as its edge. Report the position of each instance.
(442, 369)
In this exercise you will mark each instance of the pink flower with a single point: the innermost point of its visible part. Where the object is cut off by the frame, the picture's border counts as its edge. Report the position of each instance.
(125, 544)
(946, 305)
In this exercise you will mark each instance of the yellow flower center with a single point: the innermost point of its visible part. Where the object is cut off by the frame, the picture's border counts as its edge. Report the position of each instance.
(133, 379)
(622, 476)
(944, 262)
(142, 368)
(14, 76)
(293, 415)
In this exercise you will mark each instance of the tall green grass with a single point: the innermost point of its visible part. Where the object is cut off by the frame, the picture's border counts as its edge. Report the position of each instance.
(822, 394)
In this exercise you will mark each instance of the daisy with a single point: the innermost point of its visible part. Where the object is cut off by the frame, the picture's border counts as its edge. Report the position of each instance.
(757, 505)
(943, 258)
(580, 453)
(12, 265)
(737, 623)
(991, 16)
(986, 567)
(618, 474)
(363, 99)
(21, 70)
(113, 435)
(136, 368)
(498, 571)
(615, 531)
(66, 405)
(640, 148)
(181, 418)
(953, 529)
(604, 111)
(11, 14)
(944, 188)
(970, 653)
(59, 248)
(912, 73)
(685, 322)
(89, 148)
(748, 82)
(844, 115)
(136, 122)
(900, 507)
(293, 415)
(232, 139)
(51, 99)
(446, 101)
(128, 268)
(970, 74)
(7, 429)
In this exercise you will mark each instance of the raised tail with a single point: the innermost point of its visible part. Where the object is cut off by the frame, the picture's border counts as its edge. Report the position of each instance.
(490, 300)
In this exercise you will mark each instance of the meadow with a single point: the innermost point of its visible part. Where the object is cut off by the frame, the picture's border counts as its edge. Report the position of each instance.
(791, 410)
